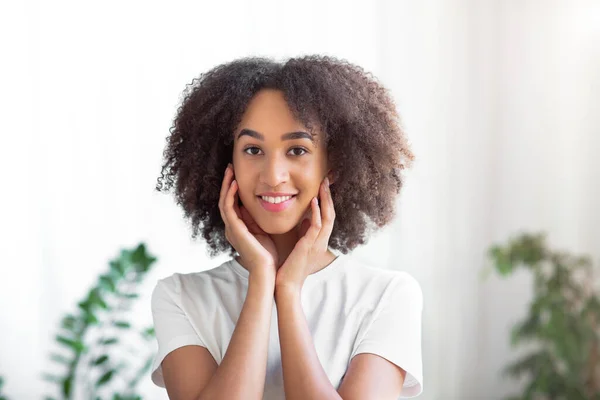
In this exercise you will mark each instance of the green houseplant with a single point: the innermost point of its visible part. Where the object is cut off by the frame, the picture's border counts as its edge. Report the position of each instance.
(94, 336)
(562, 323)
(2, 397)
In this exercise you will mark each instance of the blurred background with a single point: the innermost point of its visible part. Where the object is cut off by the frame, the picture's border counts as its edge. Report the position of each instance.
(500, 99)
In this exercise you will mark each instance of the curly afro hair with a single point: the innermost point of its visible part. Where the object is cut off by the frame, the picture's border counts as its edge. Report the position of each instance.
(366, 146)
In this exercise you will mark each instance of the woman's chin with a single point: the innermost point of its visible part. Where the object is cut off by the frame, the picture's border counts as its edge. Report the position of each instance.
(277, 227)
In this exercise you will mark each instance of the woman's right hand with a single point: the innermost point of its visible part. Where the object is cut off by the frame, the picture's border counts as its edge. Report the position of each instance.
(256, 248)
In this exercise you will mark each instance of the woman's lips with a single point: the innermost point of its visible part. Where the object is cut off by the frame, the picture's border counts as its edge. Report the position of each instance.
(276, 207)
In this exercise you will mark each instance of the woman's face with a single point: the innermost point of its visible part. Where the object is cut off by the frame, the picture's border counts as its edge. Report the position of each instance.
(274, 158)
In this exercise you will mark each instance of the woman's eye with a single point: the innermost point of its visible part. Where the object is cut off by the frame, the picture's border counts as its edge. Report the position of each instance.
(298, 148)
(251, 148)
(254, 151)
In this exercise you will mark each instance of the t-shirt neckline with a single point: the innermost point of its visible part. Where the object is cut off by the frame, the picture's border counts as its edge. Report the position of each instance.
(318, 276)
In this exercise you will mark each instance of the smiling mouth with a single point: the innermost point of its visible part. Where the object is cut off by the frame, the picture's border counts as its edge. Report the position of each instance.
(276, 200)
(283, 203)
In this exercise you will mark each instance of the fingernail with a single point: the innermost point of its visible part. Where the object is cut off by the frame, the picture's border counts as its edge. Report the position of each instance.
(327, 181)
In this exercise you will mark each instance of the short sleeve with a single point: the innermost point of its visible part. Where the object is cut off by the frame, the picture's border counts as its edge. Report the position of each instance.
(171, 326)
(395, 331)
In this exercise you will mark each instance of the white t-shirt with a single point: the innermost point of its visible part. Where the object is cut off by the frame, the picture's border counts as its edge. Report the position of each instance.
(350, 307)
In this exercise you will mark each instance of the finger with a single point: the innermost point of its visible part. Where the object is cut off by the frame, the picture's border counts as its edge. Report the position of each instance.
(328, 216)
(233, 222)
(230, 212)
(304, 227)
(236, 205)
(245, 215)
(249, 221)
(225, 185)
(315, 222)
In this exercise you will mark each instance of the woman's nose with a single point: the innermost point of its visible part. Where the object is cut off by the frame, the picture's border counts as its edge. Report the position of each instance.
(274, 172)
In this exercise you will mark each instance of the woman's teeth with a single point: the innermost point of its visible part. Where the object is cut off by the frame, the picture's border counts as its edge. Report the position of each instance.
(276, 200)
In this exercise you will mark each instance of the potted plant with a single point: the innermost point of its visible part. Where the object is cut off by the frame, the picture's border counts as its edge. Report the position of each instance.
(562, 322)
(93, 362)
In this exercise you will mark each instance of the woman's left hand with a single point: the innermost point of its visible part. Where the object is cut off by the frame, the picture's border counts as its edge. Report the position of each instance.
(312, 246)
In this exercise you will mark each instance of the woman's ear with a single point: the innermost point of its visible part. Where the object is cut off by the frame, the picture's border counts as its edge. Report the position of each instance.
(331, 177)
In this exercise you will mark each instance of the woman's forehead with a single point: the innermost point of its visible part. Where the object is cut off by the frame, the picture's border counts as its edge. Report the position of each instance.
(269, 118)
(270, 109)
(292, 135)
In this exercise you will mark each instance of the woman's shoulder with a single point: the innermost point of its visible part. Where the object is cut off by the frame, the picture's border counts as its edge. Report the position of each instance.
(200, 281)
(383, 285)
(366, 270)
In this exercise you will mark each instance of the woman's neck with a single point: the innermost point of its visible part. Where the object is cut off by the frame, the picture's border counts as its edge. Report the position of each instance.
(285, 243)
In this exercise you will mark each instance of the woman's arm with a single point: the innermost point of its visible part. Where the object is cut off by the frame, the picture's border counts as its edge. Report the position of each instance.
(241, 374)
(303, 374)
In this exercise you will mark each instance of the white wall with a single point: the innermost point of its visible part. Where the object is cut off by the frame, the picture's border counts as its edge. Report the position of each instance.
(500, 99)
(546, 170)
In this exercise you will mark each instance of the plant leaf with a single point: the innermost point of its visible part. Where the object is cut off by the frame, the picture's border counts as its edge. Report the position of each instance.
(66, 386)
(107, 283)
(91, 319)
(100, 360)
(74, 344)
(128, 295)
(105, 378)
(60, 359)
(148, 333)
(139, 254)
(122, 324)
(51, 378)
(108, 341)
(117, 268)
(96, 298)
(85, 306)
(501, 260)
(68, 322)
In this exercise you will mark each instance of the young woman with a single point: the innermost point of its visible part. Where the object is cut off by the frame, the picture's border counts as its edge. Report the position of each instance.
(278, 164)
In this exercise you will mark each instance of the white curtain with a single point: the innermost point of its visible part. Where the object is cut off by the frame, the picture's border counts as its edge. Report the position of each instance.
(500, 100)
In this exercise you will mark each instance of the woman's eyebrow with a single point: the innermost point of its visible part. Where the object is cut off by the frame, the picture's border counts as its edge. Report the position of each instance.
(286, 136)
